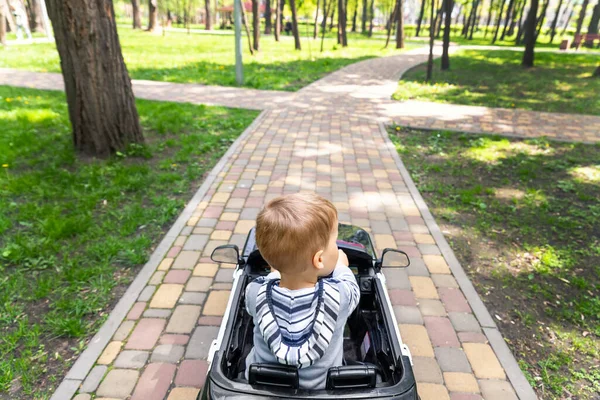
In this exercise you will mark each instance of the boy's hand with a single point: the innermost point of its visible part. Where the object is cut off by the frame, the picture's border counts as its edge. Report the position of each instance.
(342, 258)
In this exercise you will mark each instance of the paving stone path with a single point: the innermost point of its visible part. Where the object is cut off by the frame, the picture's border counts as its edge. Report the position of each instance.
(328, 138)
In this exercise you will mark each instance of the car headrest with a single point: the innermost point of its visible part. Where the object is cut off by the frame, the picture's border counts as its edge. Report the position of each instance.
(273, 375)
(352, 377)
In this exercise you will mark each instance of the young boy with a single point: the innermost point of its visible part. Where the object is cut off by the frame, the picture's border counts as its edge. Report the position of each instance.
(300, 309)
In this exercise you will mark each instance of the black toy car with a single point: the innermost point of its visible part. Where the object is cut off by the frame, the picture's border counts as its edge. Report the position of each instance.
(372, 338)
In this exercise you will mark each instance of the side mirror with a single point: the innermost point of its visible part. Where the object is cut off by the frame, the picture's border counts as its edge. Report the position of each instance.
(394, 258)
(227, 254)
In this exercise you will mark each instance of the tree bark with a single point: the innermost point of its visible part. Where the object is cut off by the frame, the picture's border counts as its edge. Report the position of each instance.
(474, 22)
(255, 25)
(467, 26)
(268, 24)
(326, 8)
(528, 54)
(498, 22)
(364, 17)
(509, 12)
(421, 15)
(568, 20)
(371, 17)
(2, 25)
(152, 15)
(597, 72)
(207, 15)
(489, 19)
(353, 17)
(137, 14)
(100, 99)
(542, 18)
(580, 20)
(389, 25)
(35, 15)
(446, 41)
(431, 32)
(343, 39)
(334, 7)
(555, 21)
(519, 9)
(295, 26)
(521, 25)
(246, 27)
(593, 26)
(277, 30)
(400, 26)
(316, 20)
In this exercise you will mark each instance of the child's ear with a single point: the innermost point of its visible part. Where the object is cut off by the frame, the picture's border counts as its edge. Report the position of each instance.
(318, 260)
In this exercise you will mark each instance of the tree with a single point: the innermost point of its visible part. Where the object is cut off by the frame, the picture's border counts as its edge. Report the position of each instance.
(509, 13)
(400, 26)
(580, 20)
(152, 15)
(35, 13)
(371, 17)
(489, 18)
(568, 20)
(446, 43)
(431, 34)
(499, 21)
(364, 17)
(421, 15)
(268, 25)
(277, 30)
(593, 26)
(390, 24)
(207, 16)
(342, 37)
(255, 24)
(101, 104)
(555, 21)
(530, 37)
(316, 19)
(295, 26)
(597, 72)
(353, 16)
(540, 20)
(245, 23)
(2, 24)
(137, 14)
(474, 22)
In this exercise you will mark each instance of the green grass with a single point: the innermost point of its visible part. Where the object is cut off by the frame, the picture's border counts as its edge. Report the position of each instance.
(558, 82)
(209, 59)
(523, 217)
(74, 231)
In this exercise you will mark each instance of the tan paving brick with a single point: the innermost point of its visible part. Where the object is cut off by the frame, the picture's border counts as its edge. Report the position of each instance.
(423, 287)
(417, 339)
(244, 226)
(183, 393)
(229, 216)
(461, 382)
(484, 361)
(216, 303)
(110, 352)
(165, 264)
(436, 264)
(497, 390)
(422, 238)
(118, 383)
(385, 241)
(432, 391)
(220, 235)
(186, 260)
(166, 296)
(206, 269)
(183, 319)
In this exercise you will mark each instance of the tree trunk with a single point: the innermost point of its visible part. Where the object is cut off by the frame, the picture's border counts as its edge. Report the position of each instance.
(152, 15)
(353, 17)
(568, 20)
(542, 18)
(371, 17)
(400, 26)
(334, 5)
(137, 14)
(268, 24)
(509, 12)
(521, 25)
(467, 26)
(529, 54)
(431, 32)
(207, 15)
(580, 20)
(246, 27)
(343, 39)
(364, 17)
(389, 25)
(474, 22)
(2, 25)
(593, 26)
(519, 9)
(316, 20)
(446, 42)
(421, 15)
(295, 26)
(489, 19)
(255, 25)
(597, 72)
(35, 15)
(555, 21)
(277, 30)
(326, 8)
(438, 19)
(101, 104)
(498, 22)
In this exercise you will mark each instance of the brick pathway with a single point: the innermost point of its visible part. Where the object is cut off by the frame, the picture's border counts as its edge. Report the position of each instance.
(328, 138)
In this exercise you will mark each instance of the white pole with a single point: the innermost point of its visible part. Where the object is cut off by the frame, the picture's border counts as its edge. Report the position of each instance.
(237, 20)
(46, 22)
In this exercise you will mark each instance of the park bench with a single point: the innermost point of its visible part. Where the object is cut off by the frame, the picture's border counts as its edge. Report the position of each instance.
(585, 38)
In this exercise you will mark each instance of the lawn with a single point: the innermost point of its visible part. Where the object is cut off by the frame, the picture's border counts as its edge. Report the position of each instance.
(558, 82)
(75, 231)
(523, 217)
(209, 59)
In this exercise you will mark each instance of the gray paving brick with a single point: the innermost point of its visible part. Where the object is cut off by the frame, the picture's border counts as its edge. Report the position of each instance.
(464, 322)
(169, 353)
(200, 342)
(396, 278)
(408, 315)
(93, 379)
(147, 293)
(452, 359)
(131, 359)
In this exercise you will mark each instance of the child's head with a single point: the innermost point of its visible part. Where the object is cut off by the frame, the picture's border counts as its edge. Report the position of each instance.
(297, 232)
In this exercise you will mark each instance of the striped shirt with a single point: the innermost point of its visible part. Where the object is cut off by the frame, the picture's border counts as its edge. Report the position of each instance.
(303, 327)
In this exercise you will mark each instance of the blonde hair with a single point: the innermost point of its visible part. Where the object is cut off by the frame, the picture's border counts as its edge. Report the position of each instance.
(293, 228)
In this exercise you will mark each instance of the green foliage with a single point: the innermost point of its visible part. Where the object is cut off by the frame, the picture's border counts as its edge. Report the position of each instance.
(525, 220)
(558, 83)
(73, 232)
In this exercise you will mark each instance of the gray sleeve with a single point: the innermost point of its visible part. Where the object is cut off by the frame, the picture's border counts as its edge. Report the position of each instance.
(349, 290)
(252, 291)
